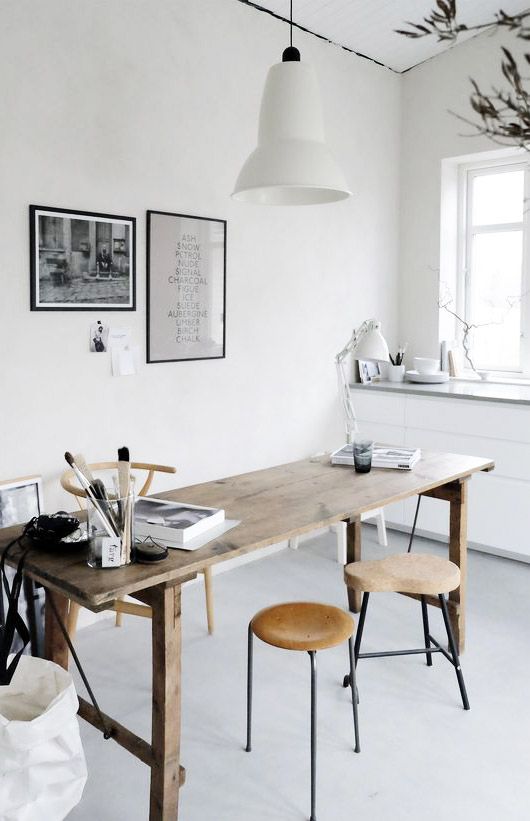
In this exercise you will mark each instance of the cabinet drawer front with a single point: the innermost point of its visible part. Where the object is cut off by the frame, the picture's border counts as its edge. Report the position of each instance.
(379, 407)
(499, 514)
(512, 459)
(466, 416)
(386, 434)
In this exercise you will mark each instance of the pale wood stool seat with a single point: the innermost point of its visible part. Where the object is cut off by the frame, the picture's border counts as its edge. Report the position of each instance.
(303, 626)
(404, 573)
(423, 577)
(308, 627)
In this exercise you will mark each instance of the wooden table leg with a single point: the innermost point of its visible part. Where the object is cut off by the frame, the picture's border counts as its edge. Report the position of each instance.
(166, 642)
(458, 555)
(353, 553)
(55, 647)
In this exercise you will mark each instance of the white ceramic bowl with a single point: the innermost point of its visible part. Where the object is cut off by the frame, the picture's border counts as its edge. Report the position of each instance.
(425, 365)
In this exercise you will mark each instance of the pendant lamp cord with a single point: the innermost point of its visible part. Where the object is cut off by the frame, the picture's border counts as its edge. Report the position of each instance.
(291, 23)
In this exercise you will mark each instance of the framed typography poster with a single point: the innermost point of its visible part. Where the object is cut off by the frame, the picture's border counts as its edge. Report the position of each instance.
(186, 287)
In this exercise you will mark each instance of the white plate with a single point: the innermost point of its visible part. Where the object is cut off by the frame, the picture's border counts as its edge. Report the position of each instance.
(428, 378)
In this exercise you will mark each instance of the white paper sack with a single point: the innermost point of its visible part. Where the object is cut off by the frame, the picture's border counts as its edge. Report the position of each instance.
(42, 764)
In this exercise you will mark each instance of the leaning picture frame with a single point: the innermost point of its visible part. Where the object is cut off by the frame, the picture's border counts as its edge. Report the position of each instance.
(186, 287)
(81, 260)
(20, 500)
(368, 371)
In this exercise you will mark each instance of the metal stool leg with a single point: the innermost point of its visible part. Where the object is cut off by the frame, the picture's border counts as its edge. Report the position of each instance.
(425, 616)
(360, 628)
(313, 657)
(413, 531)
(454, 652)
(248, 748)
(354, 696)
(358, 635)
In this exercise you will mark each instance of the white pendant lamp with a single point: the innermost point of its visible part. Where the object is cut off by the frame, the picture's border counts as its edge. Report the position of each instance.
(292, 164)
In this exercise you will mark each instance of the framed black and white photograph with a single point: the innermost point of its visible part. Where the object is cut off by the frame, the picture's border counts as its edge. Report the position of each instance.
(20, 500)
(81, 260)
(186, 287)
(368, 370)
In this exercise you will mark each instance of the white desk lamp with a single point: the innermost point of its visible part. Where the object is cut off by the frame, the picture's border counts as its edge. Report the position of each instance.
(368, 343)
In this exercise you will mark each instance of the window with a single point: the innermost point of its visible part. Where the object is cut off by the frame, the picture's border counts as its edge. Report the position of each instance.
(492, 282)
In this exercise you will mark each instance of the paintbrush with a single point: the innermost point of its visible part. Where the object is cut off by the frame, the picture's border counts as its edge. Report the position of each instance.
(87, 487)
(100, 492)
(124, 487)
(83, 467)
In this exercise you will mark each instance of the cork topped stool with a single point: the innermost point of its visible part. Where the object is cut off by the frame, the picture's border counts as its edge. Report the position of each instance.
(418, 574)
(307, 627)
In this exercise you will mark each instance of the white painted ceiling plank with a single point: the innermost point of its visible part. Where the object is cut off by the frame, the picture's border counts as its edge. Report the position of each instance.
(368, 26)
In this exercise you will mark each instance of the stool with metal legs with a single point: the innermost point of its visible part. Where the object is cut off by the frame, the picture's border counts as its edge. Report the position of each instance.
(409, 573)
(308, 627)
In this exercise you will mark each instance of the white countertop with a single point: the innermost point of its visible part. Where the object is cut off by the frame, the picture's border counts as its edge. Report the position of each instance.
(456, 389)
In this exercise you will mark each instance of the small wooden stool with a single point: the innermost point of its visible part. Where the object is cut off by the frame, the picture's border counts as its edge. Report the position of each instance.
(308, 627)
(409, 573)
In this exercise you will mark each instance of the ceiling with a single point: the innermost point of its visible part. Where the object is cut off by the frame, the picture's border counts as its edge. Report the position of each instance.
(367, 26)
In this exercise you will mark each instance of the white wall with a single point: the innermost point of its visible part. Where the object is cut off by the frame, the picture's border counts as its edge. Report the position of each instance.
(429, 134)
(123, 105)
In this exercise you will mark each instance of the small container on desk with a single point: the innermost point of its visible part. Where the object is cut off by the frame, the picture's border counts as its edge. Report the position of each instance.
(395, 373)
(110, 525)
(362, 454)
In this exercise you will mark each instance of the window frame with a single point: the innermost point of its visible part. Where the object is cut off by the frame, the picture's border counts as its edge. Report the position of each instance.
(467, 172)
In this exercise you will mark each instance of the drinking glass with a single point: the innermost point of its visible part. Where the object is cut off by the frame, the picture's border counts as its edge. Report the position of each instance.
(362, 455)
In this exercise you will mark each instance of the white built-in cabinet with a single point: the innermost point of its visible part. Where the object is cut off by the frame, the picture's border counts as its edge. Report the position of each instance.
(499, 502)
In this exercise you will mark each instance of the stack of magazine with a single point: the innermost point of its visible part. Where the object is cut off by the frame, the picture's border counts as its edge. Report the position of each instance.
(174, 523)
(384, 456)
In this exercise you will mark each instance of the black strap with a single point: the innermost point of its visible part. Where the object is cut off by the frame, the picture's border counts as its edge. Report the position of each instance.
(107, 731)
(13, 622)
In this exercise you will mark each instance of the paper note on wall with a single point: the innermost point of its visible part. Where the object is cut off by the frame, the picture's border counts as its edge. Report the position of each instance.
(119, 338)
(125, 361)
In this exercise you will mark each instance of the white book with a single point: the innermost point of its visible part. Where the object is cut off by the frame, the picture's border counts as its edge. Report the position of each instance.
(384, 456)
(173, 523)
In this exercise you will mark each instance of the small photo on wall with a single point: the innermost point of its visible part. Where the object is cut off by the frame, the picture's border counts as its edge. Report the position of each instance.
(99, 337)
(368, 370)
(81, 260)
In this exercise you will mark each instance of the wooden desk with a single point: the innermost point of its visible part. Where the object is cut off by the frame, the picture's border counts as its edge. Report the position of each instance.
(273, 505)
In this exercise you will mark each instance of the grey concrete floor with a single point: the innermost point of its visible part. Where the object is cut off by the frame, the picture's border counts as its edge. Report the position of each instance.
(422, 756)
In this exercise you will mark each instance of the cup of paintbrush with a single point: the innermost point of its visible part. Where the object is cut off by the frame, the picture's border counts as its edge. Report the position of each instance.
(105, 552)
(396, 368)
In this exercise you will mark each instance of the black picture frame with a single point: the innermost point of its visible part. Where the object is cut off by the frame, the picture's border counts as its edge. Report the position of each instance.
(87, 249)
(150, 216)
